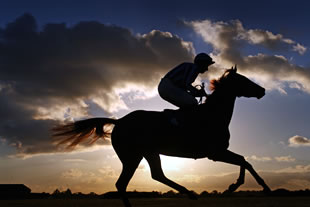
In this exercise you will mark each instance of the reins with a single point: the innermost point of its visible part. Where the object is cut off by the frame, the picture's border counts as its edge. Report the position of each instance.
(202, 87)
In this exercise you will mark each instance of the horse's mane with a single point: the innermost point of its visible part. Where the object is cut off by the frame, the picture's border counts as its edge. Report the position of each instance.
(216, 83)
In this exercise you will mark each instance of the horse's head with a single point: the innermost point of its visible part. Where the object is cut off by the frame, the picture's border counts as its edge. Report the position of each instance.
(237, 84)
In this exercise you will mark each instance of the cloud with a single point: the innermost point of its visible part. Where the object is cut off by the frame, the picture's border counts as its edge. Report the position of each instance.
(229, 39)
(224, 35)
(83, 180)
(256, 158)
(271, 41)
(288, 158)
(2, 141)
(55, 74)
(72, 174)
(87, 61)
(295, 169)
(74, 160)
(292, 178)
(108, 172)
(60, 72)
(300, 48)
(297, 141)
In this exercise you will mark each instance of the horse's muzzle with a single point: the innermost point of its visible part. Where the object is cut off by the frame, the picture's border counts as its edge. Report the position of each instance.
(261, 93)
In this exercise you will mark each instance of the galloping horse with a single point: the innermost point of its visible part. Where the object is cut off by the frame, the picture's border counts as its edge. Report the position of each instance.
(203, 133)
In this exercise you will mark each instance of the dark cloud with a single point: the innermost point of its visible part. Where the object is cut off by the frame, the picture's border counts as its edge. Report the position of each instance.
(49, 75)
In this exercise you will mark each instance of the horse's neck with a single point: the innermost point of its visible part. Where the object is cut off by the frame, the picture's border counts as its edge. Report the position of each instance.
(224, 103)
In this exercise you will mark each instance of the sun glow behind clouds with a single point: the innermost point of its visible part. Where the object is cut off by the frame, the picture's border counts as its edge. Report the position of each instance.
(168, 163)
(172, 163)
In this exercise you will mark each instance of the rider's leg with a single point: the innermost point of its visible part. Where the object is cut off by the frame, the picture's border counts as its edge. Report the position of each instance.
(175, 95)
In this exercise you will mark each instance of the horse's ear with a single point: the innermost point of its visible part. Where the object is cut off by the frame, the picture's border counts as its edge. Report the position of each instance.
(235, 68)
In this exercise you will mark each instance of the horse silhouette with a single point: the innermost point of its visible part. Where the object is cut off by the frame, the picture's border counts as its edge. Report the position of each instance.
(203, 133)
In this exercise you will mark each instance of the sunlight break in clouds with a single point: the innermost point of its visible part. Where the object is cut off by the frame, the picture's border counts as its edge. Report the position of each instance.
(168, 163)
(228, 40)
(298, 141)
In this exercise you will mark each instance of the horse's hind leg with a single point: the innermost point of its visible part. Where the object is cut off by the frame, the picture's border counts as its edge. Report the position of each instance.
(130, 164)
(158, 174)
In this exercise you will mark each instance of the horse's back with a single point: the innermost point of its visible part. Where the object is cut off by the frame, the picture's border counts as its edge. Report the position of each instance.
(140, 118)
(139, 122)
(144, 127)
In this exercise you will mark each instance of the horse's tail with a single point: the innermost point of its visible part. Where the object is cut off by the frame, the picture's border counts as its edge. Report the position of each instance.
(74, 133)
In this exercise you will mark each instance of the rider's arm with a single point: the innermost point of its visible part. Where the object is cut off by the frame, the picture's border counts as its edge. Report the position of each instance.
(194, 91)
(192, 75)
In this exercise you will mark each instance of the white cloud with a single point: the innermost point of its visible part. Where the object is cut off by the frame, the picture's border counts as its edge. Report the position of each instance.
(228, 40)
(297, 141)
(300, 48)
(288, 158)
(222, 34)
(257, 158)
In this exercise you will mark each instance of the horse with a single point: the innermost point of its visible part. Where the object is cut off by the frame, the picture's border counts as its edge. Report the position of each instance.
(203, 133)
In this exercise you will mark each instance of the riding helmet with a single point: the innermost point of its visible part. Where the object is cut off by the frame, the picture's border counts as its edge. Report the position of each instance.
(203, 58)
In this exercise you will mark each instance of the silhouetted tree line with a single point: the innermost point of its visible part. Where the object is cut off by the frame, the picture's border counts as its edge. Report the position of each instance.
(67, 194)
(204, 194)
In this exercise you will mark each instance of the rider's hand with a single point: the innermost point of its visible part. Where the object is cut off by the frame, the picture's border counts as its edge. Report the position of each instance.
(202, 93)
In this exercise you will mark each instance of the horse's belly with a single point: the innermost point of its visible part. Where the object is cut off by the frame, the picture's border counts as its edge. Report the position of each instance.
(193, 145)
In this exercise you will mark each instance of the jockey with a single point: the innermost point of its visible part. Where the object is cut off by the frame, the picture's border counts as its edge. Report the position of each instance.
(176, 86)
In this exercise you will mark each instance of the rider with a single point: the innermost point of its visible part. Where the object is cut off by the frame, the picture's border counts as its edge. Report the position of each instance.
(176, 86)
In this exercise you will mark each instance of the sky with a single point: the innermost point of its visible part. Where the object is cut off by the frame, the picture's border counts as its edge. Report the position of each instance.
(70, 60)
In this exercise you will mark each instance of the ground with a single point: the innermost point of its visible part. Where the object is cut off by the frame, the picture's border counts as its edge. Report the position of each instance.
(165, 202)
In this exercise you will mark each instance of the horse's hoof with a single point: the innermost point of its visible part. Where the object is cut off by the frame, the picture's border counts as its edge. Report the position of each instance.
(267, 190)
(232, 188)
(192, 195)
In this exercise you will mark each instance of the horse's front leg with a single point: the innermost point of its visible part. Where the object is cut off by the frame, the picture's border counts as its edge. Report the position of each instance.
(233, 187)
(235, 159)
(158, 174)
